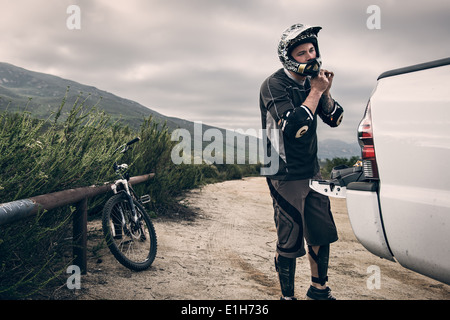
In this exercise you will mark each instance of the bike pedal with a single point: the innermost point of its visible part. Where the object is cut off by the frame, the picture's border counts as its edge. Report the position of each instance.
(145, 198)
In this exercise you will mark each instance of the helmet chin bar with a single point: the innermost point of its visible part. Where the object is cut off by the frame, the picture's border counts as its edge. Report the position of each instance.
(310, 68)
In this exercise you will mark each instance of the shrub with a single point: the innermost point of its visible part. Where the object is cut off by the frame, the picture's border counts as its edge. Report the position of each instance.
(44, 156)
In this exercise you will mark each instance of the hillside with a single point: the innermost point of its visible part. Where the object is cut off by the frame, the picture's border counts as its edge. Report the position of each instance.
(332, 148)
(18, 85)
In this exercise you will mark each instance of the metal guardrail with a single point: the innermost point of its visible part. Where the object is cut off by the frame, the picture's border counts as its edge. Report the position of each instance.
(20, 209)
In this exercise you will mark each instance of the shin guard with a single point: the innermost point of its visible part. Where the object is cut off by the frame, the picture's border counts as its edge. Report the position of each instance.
(321, 259)
(286, 274)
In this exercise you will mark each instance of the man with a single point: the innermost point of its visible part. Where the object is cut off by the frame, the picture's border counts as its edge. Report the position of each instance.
(290, 101)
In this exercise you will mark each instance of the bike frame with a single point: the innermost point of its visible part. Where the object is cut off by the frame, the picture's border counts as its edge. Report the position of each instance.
(126, 191)
(123, 181)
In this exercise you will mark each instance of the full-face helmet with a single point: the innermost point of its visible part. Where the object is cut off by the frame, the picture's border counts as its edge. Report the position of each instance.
(294, 36)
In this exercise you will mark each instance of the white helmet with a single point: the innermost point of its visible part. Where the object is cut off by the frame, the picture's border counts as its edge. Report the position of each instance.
(293, 36)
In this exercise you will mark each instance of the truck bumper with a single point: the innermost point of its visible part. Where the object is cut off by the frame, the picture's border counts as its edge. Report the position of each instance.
(363, 206)
(365, 218)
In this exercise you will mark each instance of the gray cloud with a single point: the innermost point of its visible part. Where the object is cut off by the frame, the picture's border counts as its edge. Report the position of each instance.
(204, 60)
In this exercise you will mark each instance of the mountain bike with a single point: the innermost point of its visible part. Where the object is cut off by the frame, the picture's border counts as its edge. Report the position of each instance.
(127, 227)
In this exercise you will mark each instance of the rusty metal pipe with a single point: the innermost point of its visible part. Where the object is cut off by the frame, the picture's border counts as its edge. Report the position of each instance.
(20, 209)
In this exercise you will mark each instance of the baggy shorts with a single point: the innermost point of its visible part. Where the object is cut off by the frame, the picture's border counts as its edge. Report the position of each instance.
(300, 214)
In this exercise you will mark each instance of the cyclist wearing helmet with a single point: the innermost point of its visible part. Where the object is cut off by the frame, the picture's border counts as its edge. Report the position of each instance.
(290, 101)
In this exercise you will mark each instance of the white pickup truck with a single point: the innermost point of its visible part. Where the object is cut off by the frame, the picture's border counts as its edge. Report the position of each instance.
(398, 201)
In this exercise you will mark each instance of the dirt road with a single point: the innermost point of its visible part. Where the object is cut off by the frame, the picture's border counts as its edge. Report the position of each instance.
(227, 250)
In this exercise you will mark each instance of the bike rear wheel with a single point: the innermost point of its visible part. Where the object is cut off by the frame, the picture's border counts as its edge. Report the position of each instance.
(132, 243)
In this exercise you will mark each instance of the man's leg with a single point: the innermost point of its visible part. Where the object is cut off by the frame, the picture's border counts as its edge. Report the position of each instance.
(285, 268)
(287, 198)
(320, 229)
(318, 260)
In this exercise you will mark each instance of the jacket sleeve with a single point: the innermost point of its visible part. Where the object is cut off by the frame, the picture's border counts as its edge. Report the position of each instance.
(275, 98)
(293, 121)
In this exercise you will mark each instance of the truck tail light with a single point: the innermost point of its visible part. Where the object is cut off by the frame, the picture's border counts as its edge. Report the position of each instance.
(365, 139)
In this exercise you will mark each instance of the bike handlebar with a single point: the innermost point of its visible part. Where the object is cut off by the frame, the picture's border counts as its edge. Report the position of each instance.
(125, 146)
(133, 141)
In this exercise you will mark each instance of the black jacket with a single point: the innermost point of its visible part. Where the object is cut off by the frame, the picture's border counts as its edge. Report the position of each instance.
(297, 157)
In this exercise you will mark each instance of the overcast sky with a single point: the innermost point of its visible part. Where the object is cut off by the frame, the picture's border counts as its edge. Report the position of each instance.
(204, 60)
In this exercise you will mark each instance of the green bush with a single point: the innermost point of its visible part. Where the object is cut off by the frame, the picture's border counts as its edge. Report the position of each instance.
(44, 156)
(210, 171)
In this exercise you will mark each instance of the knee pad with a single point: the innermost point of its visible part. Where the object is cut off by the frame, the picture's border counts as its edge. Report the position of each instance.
(286, 274)
(322, 260)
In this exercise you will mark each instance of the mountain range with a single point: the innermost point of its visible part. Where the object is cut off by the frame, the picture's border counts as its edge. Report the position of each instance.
(41, 94)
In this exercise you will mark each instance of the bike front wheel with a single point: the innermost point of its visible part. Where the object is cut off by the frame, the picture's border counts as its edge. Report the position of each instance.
(132, 241)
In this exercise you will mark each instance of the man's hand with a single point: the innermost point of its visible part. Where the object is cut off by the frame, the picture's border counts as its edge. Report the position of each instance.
(321, 83)
(327, 101)
(320, 86)
(329, 75)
